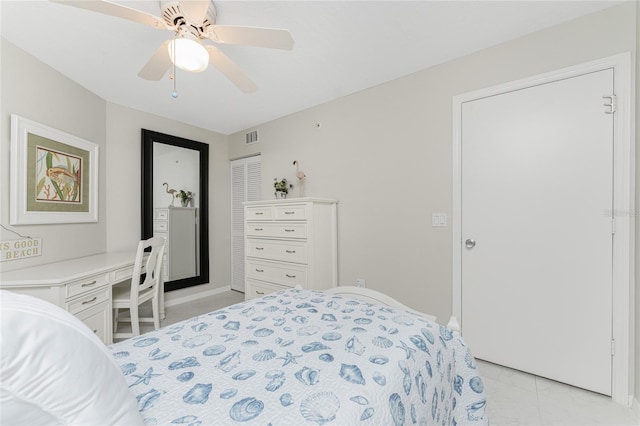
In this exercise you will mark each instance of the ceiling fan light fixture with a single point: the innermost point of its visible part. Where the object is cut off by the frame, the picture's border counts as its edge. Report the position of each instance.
(187, 53)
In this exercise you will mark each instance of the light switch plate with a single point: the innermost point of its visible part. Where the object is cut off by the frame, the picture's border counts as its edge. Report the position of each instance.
(439, 220)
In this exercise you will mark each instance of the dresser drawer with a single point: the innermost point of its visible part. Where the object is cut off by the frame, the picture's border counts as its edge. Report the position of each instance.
(85, 285)
(88, 300)
(291, 212)
(276, 230)
(289, 251)
(255, 289)
(162, 214)
(258, 213)
(160, 226)
(279, 273)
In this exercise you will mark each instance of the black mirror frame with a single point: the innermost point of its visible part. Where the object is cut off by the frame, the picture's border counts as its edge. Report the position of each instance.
(148, 138)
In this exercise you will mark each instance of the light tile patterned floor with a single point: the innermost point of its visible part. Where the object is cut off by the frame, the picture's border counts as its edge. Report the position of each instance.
(514, 398)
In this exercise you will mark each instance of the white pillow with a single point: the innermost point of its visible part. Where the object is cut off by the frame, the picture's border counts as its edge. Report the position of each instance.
(54, 370)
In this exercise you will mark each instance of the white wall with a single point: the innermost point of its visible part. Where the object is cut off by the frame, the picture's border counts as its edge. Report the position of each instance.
(386, 154)
(123, 175)
(37, 92)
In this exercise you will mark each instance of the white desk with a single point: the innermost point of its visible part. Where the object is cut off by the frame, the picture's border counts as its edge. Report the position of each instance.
(82, 286)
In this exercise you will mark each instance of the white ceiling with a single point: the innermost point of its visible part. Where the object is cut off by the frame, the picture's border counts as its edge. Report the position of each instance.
(341, 47)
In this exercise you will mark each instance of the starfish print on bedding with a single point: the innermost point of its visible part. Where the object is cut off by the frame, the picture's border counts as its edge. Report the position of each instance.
(289, 358)
(408, 351)
(144, 378)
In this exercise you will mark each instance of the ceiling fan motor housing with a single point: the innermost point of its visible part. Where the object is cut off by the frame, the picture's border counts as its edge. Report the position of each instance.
(175, 18)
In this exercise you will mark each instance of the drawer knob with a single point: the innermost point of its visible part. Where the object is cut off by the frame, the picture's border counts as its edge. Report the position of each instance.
(259, 248)
(290, 251)
(289, 276)
(86, 302)
(289, 212)
(259, 292)
(259, 213)
(259, 270)
(89, 284)
(257, 229)
(289, 230)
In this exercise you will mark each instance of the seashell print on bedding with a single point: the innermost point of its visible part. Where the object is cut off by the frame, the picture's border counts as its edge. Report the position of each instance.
(314, 346)
(147, 399)
(185, 377)
(264, 355)
(146, 342)
(246, 409)
(307, 376)
(184, 363)
(228, 393)
(199, 394)
(229, 362)
(320, 408)
(396, 408)
(351, 373)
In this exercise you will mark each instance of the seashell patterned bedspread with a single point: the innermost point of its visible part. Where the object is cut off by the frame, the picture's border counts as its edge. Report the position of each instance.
(301, 357)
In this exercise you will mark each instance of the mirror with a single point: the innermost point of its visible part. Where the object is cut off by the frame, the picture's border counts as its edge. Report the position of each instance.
(171, 164)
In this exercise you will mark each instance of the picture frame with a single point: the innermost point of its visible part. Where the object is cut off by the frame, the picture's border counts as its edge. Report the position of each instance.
(53, 176)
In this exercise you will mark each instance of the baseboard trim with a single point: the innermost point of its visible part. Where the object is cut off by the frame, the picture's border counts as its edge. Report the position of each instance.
(635, 406)
(196, 296)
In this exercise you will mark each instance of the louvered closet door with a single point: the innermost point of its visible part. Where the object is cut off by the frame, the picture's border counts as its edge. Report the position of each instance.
(246, 185)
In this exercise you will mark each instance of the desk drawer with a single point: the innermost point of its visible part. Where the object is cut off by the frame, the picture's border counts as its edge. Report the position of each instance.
(279, 273)
(122, 274)
(289, 251)
(282, 230)
(160, 226)
(97, 319)
(85, 285)
(88, 301)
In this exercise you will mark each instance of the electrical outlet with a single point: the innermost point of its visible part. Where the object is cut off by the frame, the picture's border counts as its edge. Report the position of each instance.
(361, 282)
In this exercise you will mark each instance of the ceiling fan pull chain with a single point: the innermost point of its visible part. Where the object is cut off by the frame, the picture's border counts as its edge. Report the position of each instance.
(174, 94)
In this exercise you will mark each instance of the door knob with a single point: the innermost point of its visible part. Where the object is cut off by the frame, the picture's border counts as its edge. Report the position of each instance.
(470, 243)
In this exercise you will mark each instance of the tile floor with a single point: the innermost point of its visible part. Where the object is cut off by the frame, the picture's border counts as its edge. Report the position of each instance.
(514, 398)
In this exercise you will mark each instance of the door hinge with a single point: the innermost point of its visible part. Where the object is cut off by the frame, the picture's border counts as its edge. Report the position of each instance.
(613, 225)
(613, 347)
(613, 103)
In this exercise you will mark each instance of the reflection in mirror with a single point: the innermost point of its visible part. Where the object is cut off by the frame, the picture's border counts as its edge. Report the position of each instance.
(175, 205)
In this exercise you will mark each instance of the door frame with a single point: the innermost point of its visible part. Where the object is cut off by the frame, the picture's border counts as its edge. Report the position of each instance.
(623, 204)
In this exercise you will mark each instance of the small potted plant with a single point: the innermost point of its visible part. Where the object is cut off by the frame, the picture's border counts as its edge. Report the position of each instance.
(281, 187)
(185, 197)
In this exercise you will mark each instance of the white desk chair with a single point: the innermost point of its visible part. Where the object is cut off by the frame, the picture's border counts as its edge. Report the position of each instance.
(143, 286)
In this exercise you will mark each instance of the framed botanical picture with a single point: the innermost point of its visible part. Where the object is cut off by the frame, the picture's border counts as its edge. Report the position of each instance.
(54, 175)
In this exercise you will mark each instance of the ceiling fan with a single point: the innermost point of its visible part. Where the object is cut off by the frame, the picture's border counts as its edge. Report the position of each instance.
(193, 21)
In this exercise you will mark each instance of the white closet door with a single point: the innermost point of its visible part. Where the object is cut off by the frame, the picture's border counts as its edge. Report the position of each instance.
(246, 185)
(537, 179)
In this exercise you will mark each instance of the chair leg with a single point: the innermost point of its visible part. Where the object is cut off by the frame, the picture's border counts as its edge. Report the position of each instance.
(115, 319)
(135, 321)
(156, 313)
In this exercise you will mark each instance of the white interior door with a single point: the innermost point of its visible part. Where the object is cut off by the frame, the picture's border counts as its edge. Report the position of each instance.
(537, 167)
(246, 185)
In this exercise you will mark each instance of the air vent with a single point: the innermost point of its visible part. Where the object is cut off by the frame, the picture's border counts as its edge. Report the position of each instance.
(251, 137)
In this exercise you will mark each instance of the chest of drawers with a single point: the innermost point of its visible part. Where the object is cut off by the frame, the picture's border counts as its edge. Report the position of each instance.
(289, 243)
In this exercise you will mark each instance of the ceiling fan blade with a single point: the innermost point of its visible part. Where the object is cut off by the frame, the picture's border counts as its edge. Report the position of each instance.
(251, 36)
(196, 9)
(117, 10)
(158, 65)
(230, 69)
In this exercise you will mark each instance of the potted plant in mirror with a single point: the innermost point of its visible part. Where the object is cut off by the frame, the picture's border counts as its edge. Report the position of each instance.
(281, 187)
(186, 197)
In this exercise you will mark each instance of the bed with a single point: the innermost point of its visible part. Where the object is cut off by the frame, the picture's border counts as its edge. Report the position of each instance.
(293, 357)
(302, 357)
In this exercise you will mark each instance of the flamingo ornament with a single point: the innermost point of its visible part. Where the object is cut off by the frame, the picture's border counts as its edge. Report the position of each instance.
(170, 191)
(301, 177)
